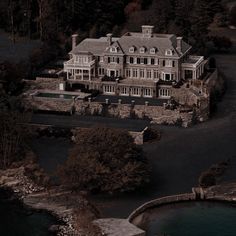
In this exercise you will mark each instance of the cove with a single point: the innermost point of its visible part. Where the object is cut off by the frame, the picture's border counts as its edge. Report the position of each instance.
(16, 220)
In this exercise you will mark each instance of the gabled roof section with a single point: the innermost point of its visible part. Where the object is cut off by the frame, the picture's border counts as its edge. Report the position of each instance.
(92, 46)
(118, 46)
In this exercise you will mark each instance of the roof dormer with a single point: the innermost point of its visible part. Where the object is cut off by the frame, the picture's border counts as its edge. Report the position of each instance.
(132, 49)
(153, 50)
(114, 49)
(169, 52)
(142, 49)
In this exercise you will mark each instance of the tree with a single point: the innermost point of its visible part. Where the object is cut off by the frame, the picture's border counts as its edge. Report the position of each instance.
(221, 42)
(104, 160)
(13, 137)
(207, 179)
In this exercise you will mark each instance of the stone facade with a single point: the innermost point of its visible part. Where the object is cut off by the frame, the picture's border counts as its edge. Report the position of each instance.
(137, 64)
(157, 114)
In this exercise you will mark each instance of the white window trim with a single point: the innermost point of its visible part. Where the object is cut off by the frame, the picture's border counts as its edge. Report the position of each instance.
(169, 52)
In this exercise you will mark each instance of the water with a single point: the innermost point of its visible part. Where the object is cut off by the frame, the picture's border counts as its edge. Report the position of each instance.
(192, 219)
(55, 95)
(15, 220)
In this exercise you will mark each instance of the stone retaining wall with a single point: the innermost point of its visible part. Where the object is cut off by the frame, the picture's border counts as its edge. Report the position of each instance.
(134, 216)
(157, 114)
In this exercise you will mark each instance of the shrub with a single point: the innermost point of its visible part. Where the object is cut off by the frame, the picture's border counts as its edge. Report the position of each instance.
(207, 179)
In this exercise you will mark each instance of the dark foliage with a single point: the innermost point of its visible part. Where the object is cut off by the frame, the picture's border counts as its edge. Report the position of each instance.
(104, 160)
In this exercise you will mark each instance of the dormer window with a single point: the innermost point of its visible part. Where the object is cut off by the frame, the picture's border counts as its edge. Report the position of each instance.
(132, 49)
(113, 49)
(142, 50)
(169, 52)
(153, 50)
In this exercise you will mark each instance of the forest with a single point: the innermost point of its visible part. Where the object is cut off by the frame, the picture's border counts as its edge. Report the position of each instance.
(53, 22)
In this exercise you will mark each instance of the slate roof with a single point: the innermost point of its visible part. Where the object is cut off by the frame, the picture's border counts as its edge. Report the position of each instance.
(94, 46)
(161, 42)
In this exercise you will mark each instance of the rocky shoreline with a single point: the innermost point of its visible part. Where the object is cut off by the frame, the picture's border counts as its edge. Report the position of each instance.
(57, 201)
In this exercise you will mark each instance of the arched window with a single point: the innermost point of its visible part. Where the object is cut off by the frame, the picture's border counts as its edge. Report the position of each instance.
(142, 50)
(132, 49)
(153, 50)
(169, 52)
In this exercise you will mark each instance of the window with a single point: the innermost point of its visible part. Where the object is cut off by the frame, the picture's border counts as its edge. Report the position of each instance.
(142, 50)
(152, 50)
(169, 52)
(168, 77)
(168, 63)
(113, 49)
(109, 59)
(152, 61)
(101, 59)
(100, 71)
(135, 91)
(173, 63)
(155, 74)
(164, 92)
(131, 60)
(128, 73)
(118, 60)
(108, 89)
(135, 73)
(124, 91)
(163, 63)
(132, 49)
(141, 73)
(138, 60)
(145, 61)
(147, 93)
(149, 74)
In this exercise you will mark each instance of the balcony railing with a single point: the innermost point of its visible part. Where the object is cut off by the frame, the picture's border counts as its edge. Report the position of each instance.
(72, 63)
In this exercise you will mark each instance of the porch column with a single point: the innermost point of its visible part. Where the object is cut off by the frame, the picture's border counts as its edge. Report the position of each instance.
(89, 74)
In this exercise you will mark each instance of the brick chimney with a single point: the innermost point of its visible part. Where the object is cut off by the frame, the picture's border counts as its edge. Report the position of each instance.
(179, 44)
(147, 31)
(74, 40)
(109, 39)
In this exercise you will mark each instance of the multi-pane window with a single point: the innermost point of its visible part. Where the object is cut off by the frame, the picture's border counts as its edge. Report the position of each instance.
(152, 61)
(147, 93)
(149, 74)
(164, 92)
(131, 60)
(135, 91)
(142, 73)
(135, 73)
(168, 63)
(109, 89)
(124, 91)
(155, 73)
(128, 73)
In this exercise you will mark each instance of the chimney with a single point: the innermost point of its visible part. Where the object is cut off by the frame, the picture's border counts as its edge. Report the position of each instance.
(179, 44)
(74, 40)
(109, 39)
(147, 31)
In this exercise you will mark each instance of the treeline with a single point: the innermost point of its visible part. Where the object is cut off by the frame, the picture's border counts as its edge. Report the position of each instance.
(188, 18)
(55, 20)
(47, 19)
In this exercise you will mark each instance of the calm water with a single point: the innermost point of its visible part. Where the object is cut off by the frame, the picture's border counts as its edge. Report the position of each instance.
(55, 95)
(193, 219)
(15, 220)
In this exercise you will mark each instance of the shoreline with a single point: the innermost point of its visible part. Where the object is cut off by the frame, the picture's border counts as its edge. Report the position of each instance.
(57, 202)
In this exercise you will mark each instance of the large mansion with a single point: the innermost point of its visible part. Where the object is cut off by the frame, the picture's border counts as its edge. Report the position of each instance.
(142, 64)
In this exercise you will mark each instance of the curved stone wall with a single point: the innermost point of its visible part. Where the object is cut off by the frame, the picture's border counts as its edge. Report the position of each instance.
(161, 201)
